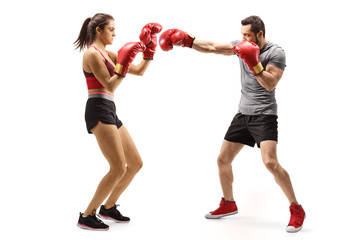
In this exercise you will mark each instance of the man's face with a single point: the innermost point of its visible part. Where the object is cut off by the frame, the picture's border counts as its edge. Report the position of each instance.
(248, 35)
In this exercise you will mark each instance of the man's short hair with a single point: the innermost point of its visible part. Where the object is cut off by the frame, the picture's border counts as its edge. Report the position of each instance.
(256, 23)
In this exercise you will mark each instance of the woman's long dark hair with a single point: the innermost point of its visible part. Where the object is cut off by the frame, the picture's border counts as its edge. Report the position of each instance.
(88, 29)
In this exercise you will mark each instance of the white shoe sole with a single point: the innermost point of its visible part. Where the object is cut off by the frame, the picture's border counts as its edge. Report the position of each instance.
(209, 216)
(112, 219)
(90, 228)
(291, 229)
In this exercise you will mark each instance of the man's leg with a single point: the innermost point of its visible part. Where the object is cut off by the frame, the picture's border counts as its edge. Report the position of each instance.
(268, 153)
(227, 207)
(269, 157)
(228, 152)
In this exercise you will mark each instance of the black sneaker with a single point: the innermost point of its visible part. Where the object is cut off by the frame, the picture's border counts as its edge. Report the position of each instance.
(112, 214)
(91, 222)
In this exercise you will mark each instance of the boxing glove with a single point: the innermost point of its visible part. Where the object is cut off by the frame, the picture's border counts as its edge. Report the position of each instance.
(249, 53)
(149, 38)
(126, 55)
(175, 37)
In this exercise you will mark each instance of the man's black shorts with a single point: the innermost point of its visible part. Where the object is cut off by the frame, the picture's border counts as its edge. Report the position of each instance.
(251, 129)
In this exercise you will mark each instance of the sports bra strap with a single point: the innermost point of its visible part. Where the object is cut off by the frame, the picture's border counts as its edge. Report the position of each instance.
(100, 52)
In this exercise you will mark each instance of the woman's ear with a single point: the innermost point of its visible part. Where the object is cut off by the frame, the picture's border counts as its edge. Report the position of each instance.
(98, 30)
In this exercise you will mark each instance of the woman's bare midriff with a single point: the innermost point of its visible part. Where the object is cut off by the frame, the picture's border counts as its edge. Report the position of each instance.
(103, 90)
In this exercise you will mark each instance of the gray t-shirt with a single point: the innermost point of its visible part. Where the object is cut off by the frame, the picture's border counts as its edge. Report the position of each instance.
(256, 100)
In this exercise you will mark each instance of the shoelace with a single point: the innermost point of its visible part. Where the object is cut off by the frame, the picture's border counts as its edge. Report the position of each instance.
(97, 219)
(222, 203)
(93, 215)
(295, 218)
(115, 211)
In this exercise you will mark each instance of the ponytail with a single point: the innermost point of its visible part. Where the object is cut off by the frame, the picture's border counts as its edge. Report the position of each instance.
(83, 39)
(88, 29)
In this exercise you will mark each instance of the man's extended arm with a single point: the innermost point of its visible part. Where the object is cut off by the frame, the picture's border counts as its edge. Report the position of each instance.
(206, 46)
(177, 37)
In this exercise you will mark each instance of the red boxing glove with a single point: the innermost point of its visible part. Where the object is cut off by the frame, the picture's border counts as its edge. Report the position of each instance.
(249, 53)
(175, 37)
(149, 38)
(126, 55)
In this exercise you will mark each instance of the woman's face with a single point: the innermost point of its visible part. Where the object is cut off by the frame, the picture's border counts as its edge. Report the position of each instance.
(107, 35)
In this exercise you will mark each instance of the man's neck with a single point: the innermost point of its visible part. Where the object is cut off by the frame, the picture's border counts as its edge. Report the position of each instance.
(263, 43)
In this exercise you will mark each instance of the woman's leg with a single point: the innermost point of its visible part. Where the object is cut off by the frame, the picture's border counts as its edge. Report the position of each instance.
(134, 164)
(111, 146)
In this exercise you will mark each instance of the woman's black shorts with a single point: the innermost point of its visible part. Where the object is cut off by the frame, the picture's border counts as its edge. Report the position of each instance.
(100, 107)
(249, 129)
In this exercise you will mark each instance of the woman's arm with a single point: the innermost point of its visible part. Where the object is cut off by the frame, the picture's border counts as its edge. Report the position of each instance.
(95, 62)
(138, 70)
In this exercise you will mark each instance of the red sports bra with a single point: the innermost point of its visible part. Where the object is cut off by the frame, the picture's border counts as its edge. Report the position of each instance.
(91, 80)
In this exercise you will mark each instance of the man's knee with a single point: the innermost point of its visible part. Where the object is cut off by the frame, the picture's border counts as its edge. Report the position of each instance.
(271, 164)
(223, 161)
(228, 152)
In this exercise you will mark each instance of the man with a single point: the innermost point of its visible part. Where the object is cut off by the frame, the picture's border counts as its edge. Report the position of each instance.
(262, 65)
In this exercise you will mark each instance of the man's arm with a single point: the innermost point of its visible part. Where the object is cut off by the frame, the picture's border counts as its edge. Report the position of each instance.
(177, 37)
(269, 78)
(205, 46)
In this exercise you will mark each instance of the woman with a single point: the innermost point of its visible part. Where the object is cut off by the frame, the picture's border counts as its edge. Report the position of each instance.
(104, 71)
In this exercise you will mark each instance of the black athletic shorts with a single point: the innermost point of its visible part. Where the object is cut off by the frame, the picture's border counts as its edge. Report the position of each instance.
(251, 129)
(100, 107)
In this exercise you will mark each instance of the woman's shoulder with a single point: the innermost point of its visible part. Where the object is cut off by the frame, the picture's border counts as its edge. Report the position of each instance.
(91, 54)
(91, 57)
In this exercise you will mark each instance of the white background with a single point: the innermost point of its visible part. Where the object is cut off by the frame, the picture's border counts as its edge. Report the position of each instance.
(177, 114)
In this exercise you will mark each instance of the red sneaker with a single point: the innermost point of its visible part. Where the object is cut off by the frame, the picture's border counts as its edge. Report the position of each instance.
(297, 218)
(226, 208)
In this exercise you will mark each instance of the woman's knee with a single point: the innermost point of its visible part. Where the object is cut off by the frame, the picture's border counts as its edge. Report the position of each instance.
(135, 166)
(118, 170)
